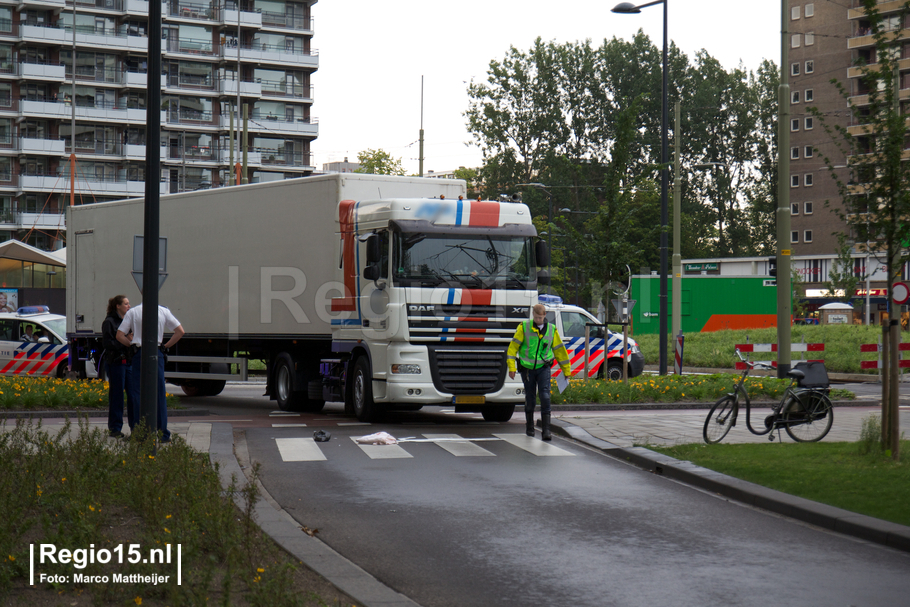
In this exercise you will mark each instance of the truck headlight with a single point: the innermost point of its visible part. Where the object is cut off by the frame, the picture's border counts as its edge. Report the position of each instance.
(406, 369)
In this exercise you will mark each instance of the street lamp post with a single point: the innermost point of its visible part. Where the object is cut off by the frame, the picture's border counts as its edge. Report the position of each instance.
(627, 8)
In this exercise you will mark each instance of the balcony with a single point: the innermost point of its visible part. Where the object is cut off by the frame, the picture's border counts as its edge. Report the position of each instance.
(248, 19)
(858, 12)
(41, 33)
(191, 117)
(139, 79)
(60, 183)
(283, 88)
(42, 4)
(273, 53)
(174, 83)
(136, 151)
(54, 147)
(279, 159)
(192, 48)
(279, 125)
(39, 71)
(136, 7)
(107, 39)
(40, 221)
(296, 23)
(253, 157)
(110, 5)
(247, 89)
(192, 153)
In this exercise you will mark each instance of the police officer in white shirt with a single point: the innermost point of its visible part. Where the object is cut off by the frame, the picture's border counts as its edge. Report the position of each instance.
(132, 322)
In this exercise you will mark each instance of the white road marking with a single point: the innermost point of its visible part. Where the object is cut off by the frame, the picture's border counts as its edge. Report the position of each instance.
(458, 446)
(299, 450)
(289, 425)
(533, 446)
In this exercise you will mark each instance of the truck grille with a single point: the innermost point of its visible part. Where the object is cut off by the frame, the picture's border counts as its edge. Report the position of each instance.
(468, 370)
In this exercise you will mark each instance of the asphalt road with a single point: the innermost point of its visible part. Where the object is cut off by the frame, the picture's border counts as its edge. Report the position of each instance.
(494, 520)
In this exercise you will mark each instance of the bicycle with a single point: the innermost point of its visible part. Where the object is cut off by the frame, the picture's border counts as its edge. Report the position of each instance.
(806, 413)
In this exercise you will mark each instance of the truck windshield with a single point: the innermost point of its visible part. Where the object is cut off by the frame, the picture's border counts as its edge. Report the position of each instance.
(432, 260)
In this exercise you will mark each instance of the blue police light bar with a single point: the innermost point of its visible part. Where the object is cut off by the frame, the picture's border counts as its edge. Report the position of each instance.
(546, 298)
(33, 310)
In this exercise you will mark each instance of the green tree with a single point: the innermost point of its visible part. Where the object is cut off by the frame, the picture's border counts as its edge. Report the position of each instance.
(379, 162)
(842, 277)
(875, 199)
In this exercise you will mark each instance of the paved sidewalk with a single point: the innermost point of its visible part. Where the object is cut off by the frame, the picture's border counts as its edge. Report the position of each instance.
(674, 427)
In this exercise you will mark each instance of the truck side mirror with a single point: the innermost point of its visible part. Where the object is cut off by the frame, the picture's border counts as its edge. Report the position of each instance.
(543, 277)
(373, 252)
(542, 253)
(371, 272)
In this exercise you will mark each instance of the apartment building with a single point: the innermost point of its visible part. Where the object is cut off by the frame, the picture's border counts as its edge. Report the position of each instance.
(829, 40)
(215, 55)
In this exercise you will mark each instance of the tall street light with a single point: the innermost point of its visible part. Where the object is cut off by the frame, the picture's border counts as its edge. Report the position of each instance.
(626, 8)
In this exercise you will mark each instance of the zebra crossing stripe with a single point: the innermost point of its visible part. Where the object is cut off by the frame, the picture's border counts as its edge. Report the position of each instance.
(382, 451)
(533, 445)
(459, 448)
(299, 450)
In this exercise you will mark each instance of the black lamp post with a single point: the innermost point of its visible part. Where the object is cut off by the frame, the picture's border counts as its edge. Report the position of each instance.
(626, 8)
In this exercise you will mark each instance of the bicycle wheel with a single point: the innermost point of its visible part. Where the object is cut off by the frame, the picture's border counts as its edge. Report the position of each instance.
(808, 417)
(720, 419)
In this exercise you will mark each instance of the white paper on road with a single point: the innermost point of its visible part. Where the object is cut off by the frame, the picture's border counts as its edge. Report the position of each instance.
(562, 382)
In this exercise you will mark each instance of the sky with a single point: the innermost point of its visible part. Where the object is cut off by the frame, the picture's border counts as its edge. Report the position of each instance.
(372, 56)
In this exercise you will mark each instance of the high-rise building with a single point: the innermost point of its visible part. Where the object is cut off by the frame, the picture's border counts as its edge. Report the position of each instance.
(829, 40)
(214, 55)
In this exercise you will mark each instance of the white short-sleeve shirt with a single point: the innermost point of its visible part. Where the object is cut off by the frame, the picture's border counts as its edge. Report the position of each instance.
(133, 322)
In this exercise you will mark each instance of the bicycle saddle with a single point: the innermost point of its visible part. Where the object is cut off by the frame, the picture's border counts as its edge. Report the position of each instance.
(797, 374)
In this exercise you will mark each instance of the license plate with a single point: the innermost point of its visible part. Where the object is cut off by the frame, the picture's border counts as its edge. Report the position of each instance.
(470, 400)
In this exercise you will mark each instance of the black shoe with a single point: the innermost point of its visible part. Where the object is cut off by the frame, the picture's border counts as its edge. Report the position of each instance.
(529, 423)
(116, 434)
(165, 439)
(545, 427)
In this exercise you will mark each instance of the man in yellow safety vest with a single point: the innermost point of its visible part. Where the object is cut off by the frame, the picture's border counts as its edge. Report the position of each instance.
(534, 346)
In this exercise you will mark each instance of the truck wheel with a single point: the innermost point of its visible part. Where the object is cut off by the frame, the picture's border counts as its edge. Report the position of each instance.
(502, 413)
(362, 392)
(288, 400)
(204, 387)
(614, 370)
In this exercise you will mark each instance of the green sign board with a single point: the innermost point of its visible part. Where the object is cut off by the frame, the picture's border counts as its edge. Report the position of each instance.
(698, 267)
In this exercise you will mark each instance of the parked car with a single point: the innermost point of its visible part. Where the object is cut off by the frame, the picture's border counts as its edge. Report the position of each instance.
(570, 322)
(31, 343)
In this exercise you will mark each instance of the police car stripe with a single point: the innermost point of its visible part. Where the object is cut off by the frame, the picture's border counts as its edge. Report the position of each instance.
(53, 366)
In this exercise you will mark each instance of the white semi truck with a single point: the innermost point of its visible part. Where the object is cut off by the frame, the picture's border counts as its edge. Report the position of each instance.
(381, 292)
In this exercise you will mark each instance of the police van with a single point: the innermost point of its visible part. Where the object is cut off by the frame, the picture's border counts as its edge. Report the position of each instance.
(32, 344)
(570, 322)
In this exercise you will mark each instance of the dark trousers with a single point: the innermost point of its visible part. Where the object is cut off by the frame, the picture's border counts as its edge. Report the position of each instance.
(537, 381)
(119, 377)
(162, 395)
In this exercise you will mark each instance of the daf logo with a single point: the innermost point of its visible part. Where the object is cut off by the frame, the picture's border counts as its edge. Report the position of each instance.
(421, 308)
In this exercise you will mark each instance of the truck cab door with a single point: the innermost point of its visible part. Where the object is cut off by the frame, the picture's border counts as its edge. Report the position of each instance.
(374, 295)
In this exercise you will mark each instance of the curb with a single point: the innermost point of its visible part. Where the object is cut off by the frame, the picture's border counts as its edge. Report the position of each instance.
(682, 405)
(91, 413)
(828, 517)
(839, 377)
(277, 524)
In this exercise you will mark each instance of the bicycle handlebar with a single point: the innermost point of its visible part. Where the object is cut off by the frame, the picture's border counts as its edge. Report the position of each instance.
(752, 364)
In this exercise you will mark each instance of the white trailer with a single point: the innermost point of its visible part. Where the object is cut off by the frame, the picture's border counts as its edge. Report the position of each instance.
(309, 275)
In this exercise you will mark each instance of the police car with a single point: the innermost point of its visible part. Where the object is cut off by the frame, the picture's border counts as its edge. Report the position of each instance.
(31, 343)
(570, 322)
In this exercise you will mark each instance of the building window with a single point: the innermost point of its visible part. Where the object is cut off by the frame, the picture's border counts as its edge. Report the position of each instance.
(808, 152)
(795, 40)
(807, 208)
(794, 125)
(810, 66)
(808, 124)
(794, 97)
(809, 95)
(810, 10)
(794, 13)
(794, 208)
(794, 69)
(794, 237)
(808, 180)
(794, 153)
(794, 181)
(807, 236)
(810, 39)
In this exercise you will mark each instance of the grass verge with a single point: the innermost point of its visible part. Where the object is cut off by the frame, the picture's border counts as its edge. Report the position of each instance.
(673, 388)
(837, 474)
(77, 489)
(22, 393)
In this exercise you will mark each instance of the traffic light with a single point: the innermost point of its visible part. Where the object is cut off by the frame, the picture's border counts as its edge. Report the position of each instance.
(772, 266)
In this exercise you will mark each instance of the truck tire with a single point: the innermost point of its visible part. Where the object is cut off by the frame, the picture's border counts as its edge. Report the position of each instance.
(283, 384)
(501, 413)
(362, 391)
(204, 387)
